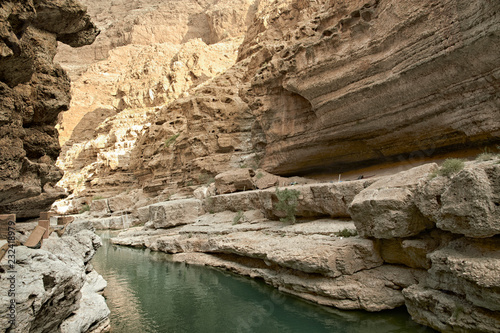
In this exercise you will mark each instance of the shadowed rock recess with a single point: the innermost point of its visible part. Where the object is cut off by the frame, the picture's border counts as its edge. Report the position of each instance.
(33, 91)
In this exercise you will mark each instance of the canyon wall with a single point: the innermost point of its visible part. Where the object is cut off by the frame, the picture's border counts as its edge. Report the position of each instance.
(349, 83)
(317, 87)
(416, 239)
(34, 90)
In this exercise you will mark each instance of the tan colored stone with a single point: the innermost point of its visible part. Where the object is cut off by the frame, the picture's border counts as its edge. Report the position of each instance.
(446, 312)
(386, 209)
(234, 180)
(468, 203)
(172, 213)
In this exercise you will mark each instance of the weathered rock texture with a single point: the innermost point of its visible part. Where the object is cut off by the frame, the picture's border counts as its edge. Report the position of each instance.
(317, 86)
(148, 22)
(56, 285)
(34, 91)
(353, 82)
(102, 129)
(408, 252)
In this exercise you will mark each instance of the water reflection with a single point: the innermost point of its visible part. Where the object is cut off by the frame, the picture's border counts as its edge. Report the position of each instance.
(148, 293)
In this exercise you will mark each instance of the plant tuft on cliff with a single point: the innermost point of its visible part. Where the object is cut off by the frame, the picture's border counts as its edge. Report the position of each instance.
(168, 142)
(205, 178)
(85, 208)
(287, 203)
(450, 167)
(239, 217)
(487, 155)
(347, 233)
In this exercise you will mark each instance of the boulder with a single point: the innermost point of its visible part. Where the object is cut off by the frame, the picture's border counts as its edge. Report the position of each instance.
(447, 312)
(409, 252)
(468, 203)
(93, 311)
(49, 281)
(172, 213)
(386, 209)
(100, 207)
(234, 180)
(469, 268)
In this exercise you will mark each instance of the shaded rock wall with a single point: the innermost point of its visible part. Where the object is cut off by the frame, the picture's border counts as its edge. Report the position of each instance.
(34, 91)
(345, 83)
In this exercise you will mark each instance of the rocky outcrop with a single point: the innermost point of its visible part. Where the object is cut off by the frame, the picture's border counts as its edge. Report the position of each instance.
(148, 22)
(333, 75)
(56, 285)
(34, 91)
(467, 204)
(392, 253)
(114, 117)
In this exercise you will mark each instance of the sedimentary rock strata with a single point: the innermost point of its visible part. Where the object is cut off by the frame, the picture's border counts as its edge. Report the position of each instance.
(34, 91)
(354, 247)
(353, 82)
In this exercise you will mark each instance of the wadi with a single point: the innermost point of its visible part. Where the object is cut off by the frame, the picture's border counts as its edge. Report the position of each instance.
(344, 152)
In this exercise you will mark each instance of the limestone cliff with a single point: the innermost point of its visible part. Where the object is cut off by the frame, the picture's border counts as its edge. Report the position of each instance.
(34, 91)
(415, 238)
(148, 22)
(345, 83)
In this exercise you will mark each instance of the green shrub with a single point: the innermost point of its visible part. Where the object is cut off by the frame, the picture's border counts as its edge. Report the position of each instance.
(205, 178)
(85, 208)
(450, 167)
(486, 156)
(97, 197)
(259, 175)
(171, 140)
(239, 217)
(347, 233)
(287, 203)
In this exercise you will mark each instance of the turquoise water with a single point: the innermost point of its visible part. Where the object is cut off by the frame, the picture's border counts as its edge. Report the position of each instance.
(148, 293)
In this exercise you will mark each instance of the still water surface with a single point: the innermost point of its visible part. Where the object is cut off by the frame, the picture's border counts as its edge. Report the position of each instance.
(148, 293)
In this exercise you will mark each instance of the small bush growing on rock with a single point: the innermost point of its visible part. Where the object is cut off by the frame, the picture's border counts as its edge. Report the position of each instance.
(205, 178)
(347, 233)
(450, 167)
(171, 140)
(287, 203)
(487, 155)
(85, 208)
(97, 197)
(239, 217)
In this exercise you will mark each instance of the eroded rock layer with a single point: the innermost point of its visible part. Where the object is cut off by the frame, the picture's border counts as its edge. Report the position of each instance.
(354, 82)
(34, 91)
(410, 239)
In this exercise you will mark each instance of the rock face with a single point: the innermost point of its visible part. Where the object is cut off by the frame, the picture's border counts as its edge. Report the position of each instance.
(148, 22)
(34, 91)
(468, 204)
(395, 251)
(334, 74)
(313, 88)
(54, 283)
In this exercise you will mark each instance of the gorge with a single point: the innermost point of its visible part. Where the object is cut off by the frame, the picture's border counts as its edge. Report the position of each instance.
(199, 125)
